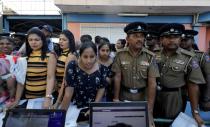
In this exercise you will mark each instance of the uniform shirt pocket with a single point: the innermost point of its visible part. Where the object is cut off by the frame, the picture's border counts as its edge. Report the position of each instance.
(143, 71)
(125, 66)
(177, 67)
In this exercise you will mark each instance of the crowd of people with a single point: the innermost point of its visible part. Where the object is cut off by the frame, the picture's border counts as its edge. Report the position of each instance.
(164, 68)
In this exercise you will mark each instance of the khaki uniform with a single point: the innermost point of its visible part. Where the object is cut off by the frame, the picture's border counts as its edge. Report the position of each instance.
(175, 72)
(134, 71)
(204, 62)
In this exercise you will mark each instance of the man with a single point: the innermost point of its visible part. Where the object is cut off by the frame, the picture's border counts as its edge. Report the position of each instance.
(48, 30)
(19, 39)
(177, 68)
(187, 43)
(152, 41)
(135, 69)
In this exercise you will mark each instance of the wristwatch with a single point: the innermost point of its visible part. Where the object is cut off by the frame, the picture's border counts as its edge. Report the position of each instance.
(195, 111)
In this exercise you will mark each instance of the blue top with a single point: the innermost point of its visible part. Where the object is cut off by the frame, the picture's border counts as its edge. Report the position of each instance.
(85, 85)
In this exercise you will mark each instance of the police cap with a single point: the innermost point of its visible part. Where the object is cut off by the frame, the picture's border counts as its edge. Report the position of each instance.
(189, 33)
(135, 27)
(152, 34)
(172, 29)
(47, 27)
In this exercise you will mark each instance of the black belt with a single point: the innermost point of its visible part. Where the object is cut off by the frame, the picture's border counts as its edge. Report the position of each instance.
(133, 90)
(165, 89)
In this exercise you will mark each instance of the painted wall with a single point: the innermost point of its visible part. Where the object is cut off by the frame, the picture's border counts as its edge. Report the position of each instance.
(207, 38)
(202, 39)
(75, 29)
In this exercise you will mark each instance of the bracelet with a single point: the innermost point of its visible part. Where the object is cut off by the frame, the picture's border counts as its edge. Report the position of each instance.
(49, 96)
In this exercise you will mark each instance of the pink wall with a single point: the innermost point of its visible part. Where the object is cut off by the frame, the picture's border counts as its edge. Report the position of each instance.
(203, 35)
(202, 38)
(188, 26)
(207, 37)
(75, 29)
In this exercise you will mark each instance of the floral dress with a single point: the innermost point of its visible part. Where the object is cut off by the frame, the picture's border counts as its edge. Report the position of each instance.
(85, 85)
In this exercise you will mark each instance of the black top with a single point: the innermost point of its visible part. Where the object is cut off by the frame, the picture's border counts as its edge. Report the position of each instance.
(85, 85)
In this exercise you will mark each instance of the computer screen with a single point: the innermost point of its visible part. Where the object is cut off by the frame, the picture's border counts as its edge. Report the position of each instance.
(34, 118)
(123, 114)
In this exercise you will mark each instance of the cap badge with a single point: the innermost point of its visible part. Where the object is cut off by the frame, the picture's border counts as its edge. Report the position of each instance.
(183, 35)
(172, 30)
(139, 28)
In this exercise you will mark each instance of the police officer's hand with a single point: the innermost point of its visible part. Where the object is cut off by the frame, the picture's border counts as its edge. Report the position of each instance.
(116, 100)
(198, 119)
(56, 105)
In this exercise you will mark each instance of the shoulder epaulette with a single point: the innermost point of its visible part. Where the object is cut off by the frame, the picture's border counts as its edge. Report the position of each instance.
(201, 55)
(198, 51)
(122, 50)
(191, 54)
(147, 51)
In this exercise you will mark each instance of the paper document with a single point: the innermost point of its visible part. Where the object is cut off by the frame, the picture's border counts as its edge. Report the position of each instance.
(183, 120)
(35, 103)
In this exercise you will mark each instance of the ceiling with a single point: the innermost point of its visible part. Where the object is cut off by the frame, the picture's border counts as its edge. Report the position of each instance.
(151, 10)
(23, 25)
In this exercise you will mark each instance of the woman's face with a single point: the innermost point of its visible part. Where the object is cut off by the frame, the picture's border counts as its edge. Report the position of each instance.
(88, 58)
(104, 52)
(63, 42)
(6, 46)
(119, 45)
(35, 42)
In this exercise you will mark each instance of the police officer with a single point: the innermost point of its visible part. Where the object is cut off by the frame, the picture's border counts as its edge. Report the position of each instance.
(204, 62)
(48, 31)
(135, 69)
(177, 67)
(19, 39)
(152, 41)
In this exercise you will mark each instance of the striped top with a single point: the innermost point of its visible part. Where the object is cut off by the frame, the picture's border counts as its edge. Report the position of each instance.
(60, 67)
(36, 75)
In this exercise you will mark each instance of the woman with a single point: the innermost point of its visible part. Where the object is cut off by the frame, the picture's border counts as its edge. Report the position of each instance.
(40, 73)
(120, 44)
(84, 78)
(6, 77)
(67, 46)
(6, 45)
(104, 58)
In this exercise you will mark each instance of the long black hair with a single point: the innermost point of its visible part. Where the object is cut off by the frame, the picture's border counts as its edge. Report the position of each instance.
(71, 40)
(44, 48)
(88, 44)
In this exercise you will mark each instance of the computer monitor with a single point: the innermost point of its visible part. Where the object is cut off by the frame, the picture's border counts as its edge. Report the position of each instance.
(34, 118)
(122, 114)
